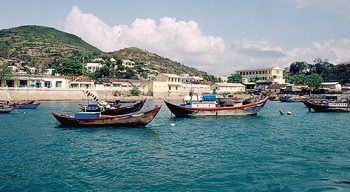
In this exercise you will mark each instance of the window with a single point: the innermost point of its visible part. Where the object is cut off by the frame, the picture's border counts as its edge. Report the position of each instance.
(23, 83)
(10, 83)
(58, 83)
(47, 84)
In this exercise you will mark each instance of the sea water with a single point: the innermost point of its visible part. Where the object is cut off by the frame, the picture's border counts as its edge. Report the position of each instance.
(304, 151)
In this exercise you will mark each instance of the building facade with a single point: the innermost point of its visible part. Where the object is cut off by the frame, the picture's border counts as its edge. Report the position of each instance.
(263, 75)
(221, 88)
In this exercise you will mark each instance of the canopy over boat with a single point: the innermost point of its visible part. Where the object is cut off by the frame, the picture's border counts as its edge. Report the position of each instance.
(139, 119)
(114, 110)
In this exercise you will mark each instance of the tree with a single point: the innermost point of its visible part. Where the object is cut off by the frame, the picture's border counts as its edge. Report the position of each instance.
(298, 67)
(211, 78)
(255, 79)
(102, 72)
(313, 80)
(342, 72)
(5, 72)
(129, 74)
(135, 91)
(297, 79)
(234, 78)
(69, 68)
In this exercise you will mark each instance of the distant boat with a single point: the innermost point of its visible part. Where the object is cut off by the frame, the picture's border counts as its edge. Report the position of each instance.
(27, 105)
(325, 105)
(212, 108)
(139, 119)
(108, 109)
(4, 108)
(287, 99)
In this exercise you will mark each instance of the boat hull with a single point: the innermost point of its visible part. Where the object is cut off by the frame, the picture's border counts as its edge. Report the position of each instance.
(6, 108)
(326, 107)
(249, 109)
(139, 119)
(28, 106)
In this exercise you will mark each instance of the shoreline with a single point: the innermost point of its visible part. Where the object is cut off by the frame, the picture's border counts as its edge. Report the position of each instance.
(78, 95)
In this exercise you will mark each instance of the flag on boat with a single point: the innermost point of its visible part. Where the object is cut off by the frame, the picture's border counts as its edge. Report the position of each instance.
(91, 95)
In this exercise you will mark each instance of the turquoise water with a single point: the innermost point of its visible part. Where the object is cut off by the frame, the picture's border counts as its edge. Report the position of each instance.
(266, 152)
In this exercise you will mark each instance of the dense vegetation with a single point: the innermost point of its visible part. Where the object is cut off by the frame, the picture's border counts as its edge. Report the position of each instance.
(301, 72)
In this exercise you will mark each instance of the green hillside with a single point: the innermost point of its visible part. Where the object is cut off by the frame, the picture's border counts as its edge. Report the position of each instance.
(157, 62)
(38, 46)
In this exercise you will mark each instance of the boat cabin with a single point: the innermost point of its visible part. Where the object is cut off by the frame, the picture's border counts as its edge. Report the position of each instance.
(87, 115)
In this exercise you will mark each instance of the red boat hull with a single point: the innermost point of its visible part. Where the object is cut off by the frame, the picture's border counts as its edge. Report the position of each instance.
(248, 109)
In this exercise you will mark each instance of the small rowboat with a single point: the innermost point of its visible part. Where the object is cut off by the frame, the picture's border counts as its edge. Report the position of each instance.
(6, 108)
(211, 109)
(27, 105)
(114, 110)
(139, 119)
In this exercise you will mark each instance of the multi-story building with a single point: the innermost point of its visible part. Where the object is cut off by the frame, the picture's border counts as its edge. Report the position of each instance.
(128, 63)
(92, 67)
(263, 75)
(228, 88)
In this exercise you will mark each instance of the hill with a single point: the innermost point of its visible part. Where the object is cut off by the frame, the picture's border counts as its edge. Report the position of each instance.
(163, 65)
(38, 46)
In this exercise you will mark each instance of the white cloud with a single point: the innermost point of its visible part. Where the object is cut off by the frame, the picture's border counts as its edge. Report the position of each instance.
(183, 41)
(337, 6)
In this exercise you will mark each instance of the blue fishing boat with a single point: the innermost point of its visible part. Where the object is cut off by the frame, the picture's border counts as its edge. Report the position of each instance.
(27, 105)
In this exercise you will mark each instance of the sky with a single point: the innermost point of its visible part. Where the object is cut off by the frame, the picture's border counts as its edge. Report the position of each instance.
(217, 36)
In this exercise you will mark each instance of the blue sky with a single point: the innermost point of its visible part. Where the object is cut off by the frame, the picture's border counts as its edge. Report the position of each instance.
(231, 34)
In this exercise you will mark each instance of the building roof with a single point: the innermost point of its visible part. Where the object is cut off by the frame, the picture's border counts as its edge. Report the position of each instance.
(229, 84)
(276, 86)
(171, 75)
(79, 78)
(259, 69)
(329, 83)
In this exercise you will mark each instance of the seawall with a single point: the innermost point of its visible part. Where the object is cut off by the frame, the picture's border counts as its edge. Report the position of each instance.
(50, 94)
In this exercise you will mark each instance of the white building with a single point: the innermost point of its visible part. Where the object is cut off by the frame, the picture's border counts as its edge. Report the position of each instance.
(173, 81)
(195, 88)
(223, 79)
(35, 81)
(186, 78)
(265, 75)
(228, 88)
(92, 67)
(81, 82)
(331, 86)
(128, 63)
(163, 85)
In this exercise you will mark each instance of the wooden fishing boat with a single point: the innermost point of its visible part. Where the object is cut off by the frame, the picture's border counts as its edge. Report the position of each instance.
(139, 119)
(27, 105)
(248, 107)
(114, 110)
(6, 108)
(324, 105)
